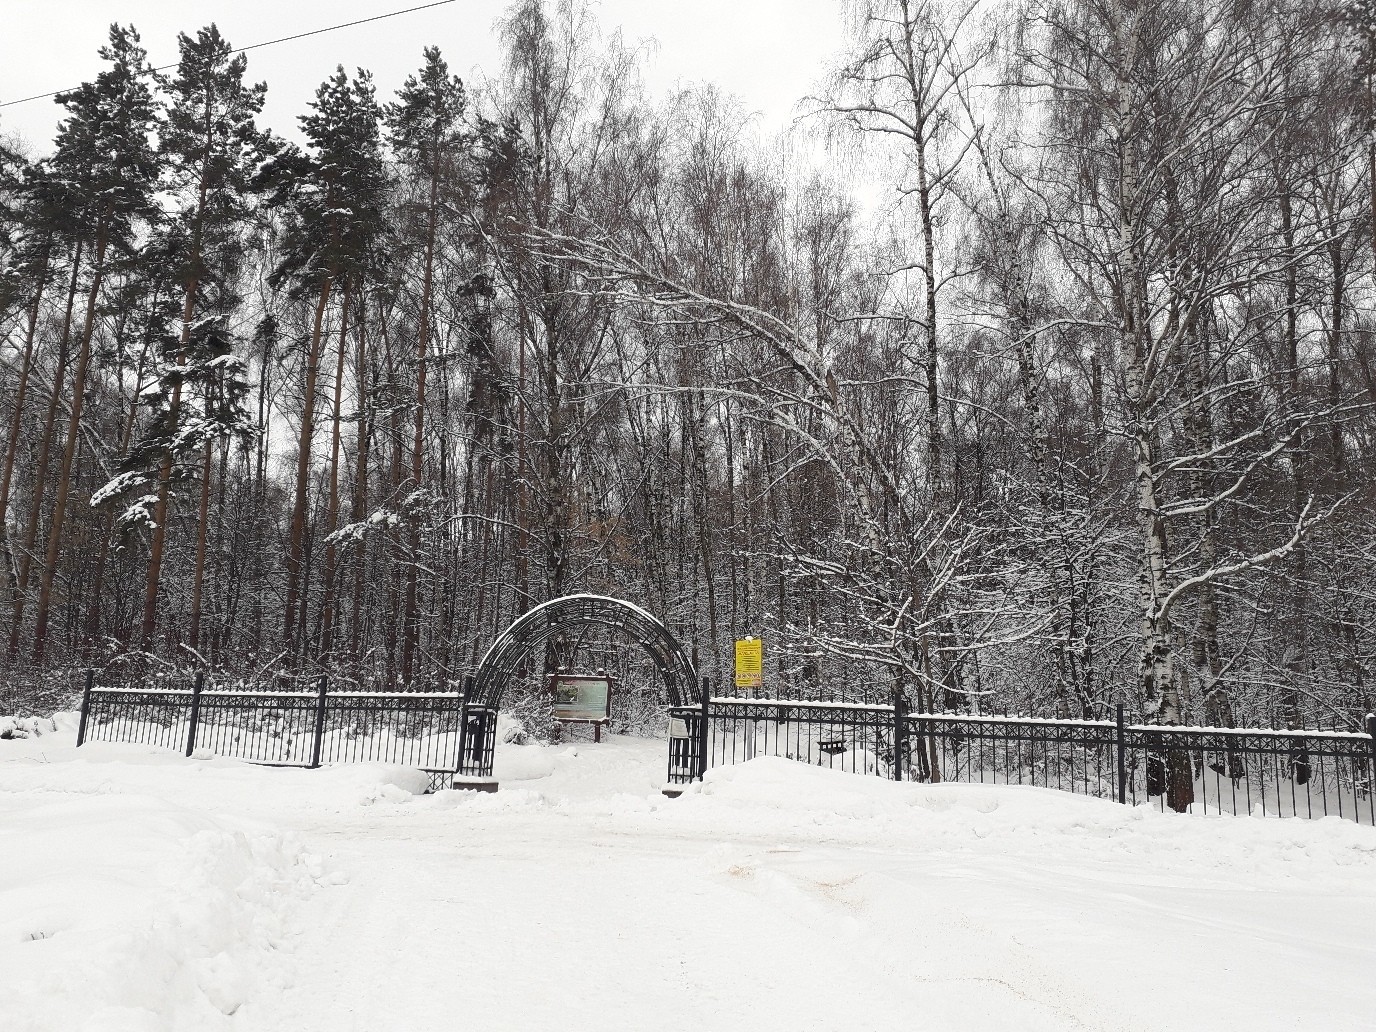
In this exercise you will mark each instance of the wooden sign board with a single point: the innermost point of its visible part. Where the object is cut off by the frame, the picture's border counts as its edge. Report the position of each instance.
(750, 663)
(581, 698)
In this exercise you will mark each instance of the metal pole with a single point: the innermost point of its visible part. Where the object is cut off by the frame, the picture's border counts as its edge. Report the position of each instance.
(195, 712)
(705, 701)
(1120, 741)
(1371, 730)
(900, 734)
(463, 723)
(85, 705)
(322, 687)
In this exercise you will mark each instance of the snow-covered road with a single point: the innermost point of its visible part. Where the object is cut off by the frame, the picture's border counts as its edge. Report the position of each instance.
(145, 892)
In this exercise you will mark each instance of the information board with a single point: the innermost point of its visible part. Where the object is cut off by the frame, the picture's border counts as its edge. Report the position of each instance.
(581, 698)
(750, 663)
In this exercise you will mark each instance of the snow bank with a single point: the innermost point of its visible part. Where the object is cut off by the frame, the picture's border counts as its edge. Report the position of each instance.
(528, 762)
(41, 760)
(795, 800)
(132, 913)
(366, 783)
(22, 727)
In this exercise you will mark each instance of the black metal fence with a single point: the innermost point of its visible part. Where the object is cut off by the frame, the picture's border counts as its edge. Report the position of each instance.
(434, 731)
(1209, 770)
(1204, 770)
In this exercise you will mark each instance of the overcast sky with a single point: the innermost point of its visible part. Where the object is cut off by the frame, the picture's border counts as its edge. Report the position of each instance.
(769, 53)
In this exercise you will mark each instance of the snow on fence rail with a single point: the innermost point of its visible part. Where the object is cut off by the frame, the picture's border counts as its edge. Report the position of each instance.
(1264, 771)
(435, 731)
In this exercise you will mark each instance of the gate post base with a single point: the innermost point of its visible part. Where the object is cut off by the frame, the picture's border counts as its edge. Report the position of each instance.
(464, 784)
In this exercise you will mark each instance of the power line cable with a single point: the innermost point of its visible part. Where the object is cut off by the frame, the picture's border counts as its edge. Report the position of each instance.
(255, 46)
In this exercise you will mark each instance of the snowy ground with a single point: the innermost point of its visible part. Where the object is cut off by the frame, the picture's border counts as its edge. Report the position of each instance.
(142, 891)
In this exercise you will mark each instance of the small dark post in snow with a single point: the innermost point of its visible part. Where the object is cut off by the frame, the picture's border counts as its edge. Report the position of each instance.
(1119, 738)
(195, 711)
(322, 687)
(85, 705)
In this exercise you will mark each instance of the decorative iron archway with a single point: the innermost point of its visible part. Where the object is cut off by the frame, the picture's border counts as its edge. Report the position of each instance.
(514, 645)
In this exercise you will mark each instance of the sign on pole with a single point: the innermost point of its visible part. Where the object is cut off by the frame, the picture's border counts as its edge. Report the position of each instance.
(750, 663)
(581, 698)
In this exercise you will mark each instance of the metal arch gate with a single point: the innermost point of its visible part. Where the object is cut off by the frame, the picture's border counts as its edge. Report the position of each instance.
(528, 633)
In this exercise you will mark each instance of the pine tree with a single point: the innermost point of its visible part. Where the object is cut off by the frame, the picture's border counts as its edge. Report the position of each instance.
(211, 146)
(19, 581)
(332, 200)
(104, 156)
(145, 309)
(430, 137)
(13, 170)
(36, 222)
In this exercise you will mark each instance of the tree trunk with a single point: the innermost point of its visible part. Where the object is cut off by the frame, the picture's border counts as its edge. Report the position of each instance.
(1335, 342)
(21, 581)
(1296, 657)
(17, 417)
(1156, 672)
(411, 629)
(202, 532)
(332, 508)
(1199, 435)
(294, 628)
(924, 202)
(108, 529)
(360, 499)
(64, 483)
(158, 545)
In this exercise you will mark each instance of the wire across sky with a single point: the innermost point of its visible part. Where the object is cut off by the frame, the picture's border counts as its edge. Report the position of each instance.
(265, 43)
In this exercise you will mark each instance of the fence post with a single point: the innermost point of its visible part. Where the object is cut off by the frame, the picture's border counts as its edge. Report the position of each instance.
(322, 687)
(195, 711)
(1120, 743)
(900, 734)
(1371, 730)
(85, 705)
(703, 714)
(463, 723)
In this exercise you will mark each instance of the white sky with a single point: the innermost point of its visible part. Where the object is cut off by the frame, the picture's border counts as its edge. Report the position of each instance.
(769, 53)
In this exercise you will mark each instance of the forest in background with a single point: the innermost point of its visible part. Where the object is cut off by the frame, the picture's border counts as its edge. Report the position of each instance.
(1078, 411)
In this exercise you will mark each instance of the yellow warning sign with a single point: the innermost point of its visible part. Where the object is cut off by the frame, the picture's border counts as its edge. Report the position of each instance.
(749, 663)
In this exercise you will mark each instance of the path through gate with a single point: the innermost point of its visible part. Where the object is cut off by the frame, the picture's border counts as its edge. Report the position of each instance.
(513, 648)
